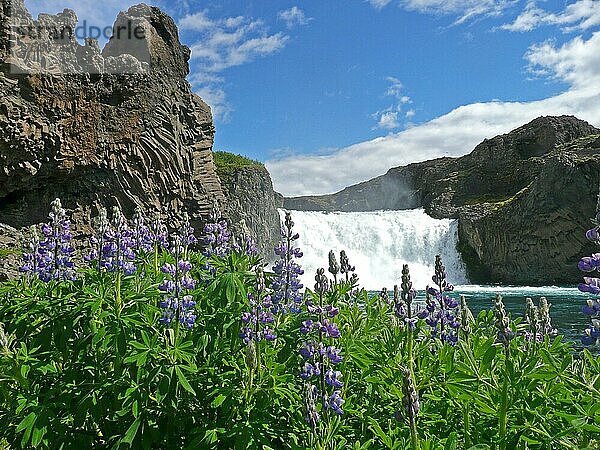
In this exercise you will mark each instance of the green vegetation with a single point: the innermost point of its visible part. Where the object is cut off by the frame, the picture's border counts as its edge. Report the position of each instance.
(6, 251)
(83, 370)
(227, 164)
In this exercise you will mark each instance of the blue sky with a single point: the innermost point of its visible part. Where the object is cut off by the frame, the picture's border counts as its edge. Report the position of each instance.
(331, 92)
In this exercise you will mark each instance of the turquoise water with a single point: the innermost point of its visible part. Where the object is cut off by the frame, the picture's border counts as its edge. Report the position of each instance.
(565, 311)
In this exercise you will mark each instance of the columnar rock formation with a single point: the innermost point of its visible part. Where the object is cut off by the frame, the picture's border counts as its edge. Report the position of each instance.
(523, 199)
(117, 127)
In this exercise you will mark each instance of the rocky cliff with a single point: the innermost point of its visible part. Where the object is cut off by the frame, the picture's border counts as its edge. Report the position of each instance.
(120, 126)
(523, 199)
(251, 202)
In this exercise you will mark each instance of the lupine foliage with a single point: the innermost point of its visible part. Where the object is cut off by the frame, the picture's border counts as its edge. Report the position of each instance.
(243, 358)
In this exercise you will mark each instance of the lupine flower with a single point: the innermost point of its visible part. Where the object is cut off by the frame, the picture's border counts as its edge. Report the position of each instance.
(334, 267)
(410, 397)
(159, 237)
(31, 252)
(502, 322)
(117, 252)
(256, 322)
(251, 360)
(441, 315)
(178, 303)
(310, 394)
(403, 303)
(247, 246)
(345, 266)
(466, 316)
(101, 226)
(286, 284)
(335, 402)
(545, 324)
(140, 233)
(50, 258)
(186, 231)
(217, 237)
(591, 334)
(591, 285)
(532, 319)
(319, 356)
(384, 296)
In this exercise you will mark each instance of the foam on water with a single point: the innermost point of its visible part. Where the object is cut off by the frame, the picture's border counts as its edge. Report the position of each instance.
(378, 243)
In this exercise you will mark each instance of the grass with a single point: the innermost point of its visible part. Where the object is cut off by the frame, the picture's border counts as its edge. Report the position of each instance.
(228, 164)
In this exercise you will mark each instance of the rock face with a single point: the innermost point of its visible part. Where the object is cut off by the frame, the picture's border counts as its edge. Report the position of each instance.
(117, 127)
(523, 200)
(252, 206)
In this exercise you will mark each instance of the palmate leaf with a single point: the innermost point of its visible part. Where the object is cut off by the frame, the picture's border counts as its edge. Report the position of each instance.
(183, 381)
(132, 431)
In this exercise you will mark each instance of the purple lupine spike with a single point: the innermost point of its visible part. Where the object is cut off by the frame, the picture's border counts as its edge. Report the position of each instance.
(117, 250)
(50, 258)
(502, 322)
(286, 285)
(178, 303)
(345, 267)
(140, 233)
(256, 322)
(591, 285)
(318, 354)
(441, 311)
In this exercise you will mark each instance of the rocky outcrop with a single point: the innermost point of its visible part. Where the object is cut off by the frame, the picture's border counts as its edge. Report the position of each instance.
(523, 199)
(252, 206)
(96, 128)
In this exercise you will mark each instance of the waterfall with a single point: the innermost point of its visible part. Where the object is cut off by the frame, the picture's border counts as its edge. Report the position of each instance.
(378, 243)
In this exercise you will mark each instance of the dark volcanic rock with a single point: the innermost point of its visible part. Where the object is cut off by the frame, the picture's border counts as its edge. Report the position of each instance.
(523, 199)
(252, 206)
(74, 128)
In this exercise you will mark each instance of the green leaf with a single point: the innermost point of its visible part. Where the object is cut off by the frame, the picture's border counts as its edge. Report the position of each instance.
(37, 435)
(26, 425)
(183, 381)
(451, 442)
(218, 401)
(132, 431)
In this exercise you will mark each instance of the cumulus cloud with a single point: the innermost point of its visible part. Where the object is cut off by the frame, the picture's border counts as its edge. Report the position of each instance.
(387, 119)
(581, 15)
(293, 17)
(577, 63)
(221, 44)
(228, 42)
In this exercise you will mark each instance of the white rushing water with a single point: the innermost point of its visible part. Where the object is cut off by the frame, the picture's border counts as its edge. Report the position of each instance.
(378, 243)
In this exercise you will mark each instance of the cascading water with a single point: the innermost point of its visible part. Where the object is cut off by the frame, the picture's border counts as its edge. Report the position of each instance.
(378, 243)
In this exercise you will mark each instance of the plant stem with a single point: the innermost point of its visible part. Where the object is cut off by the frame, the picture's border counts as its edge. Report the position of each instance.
(467, 427)
(414, 436)
(503, 415)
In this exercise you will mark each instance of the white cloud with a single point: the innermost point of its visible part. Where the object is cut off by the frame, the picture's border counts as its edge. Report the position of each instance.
(577, 62)
(229, 42)
(293, 17)
(217, 99)
(456, 133)
(221, 44)
(388, 121)
(379, 4)
(410, 113)
(581, 15)
(464, 9)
